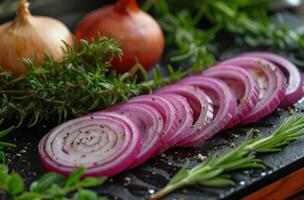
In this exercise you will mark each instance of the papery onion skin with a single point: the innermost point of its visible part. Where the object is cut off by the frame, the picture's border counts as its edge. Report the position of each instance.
(31, 37)
(69, 145)
(141, 37)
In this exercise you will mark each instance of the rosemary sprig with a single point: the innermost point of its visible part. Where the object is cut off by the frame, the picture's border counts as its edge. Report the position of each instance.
(215, 171)
(50, 186)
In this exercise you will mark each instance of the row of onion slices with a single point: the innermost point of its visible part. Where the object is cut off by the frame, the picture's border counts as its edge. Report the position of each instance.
(239, 90)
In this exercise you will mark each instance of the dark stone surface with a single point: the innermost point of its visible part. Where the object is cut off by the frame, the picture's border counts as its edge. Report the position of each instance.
(155, 173)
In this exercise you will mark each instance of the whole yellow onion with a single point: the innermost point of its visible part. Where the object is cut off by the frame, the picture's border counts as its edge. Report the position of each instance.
(31, 37)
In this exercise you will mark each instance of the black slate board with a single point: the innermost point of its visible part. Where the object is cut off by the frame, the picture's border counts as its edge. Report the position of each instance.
(155, 173)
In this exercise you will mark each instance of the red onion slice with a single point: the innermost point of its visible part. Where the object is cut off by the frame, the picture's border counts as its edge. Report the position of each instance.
(292, 73)
(105, 145)
(271, 83)
(200, 104)
(149, 123)
(185, 117)
(167, 111)
(224, 105)
(243, 86)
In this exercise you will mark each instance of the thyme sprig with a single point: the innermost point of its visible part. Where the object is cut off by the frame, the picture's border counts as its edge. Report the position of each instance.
(216, 171)
(82, 82)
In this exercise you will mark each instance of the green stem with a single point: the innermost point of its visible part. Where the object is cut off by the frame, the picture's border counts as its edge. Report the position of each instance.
(186, 181)
(168, 189)
(254, 146)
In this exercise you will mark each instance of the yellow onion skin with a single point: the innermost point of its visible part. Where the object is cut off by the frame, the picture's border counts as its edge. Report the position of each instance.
(31, 37)
(141, 37)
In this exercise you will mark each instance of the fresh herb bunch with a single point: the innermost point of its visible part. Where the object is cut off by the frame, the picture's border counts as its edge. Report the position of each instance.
(216, 171)
(73, 87)
(192, 44)
(185, 40)
(81, 83)
(50, 186)
(192, 26)
(251, 22)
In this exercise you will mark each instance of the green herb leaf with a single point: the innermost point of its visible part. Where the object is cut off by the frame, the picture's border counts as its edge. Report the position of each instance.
(46, 182)
(5, 132)
(74, 177)
(217, 182)
(15, 184)
(28, 196)
(92, 182)
(50, 186)
(87, 195)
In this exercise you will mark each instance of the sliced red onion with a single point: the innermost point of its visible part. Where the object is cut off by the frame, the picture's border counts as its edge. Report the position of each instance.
(242, 84)
(200, 104)
(294, 90)
(185, 117)
(149, 123)
(105, 145)
(167, 111)
(271, 83)
(224, 105)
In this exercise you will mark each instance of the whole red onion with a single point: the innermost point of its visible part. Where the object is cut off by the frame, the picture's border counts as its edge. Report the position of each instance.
(141, 37)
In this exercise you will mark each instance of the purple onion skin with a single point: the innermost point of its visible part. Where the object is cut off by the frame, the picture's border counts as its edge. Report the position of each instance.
(248, 98)
(116, 162)
(292, 74)
(151, 131)
(274, 90)
(222, 97)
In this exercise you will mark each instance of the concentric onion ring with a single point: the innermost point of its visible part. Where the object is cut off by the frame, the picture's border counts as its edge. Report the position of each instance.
(271, 84)
(292, 73)
(149, 123)
(224, 105)
(242, 84)
(200, 103)
(167, 111)
(105, 145)
(185, 117)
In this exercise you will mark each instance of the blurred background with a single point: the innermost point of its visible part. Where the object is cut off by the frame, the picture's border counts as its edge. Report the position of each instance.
(70, 11)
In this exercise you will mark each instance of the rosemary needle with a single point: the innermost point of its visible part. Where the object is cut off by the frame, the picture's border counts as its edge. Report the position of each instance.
(215, 171)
